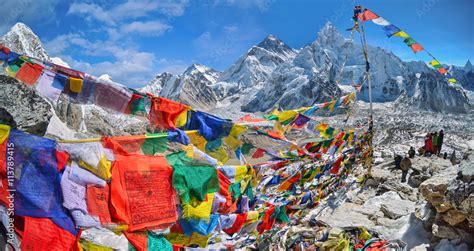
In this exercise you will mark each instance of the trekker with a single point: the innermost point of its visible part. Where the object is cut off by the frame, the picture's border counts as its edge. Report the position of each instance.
(440, 141)
(453, 158)
(445, 156)
(405, 165)
(428, 144)
(398, 160)
(411, 152)
(435, 142)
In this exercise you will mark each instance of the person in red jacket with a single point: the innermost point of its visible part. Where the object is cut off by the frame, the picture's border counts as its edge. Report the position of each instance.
(428, 143)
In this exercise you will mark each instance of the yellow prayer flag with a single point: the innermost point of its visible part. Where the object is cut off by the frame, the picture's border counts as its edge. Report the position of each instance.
(286, 115)
(103, 169)
(182, 119)
(232, 140)
(75, 84)
(197, 140)
(452, 80)
(434, 62)
(199, 210)
(4, 133)
(89, 246)
(401, 34)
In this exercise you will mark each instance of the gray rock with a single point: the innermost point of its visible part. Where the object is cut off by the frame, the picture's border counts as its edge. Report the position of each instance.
(30, 111)
(394, 209)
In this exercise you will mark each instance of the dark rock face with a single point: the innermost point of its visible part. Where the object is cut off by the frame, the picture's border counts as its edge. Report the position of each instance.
(23, 107)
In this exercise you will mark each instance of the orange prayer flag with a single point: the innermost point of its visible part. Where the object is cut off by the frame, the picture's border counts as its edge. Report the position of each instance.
(141, 192)
(165, 112)
(442, 71)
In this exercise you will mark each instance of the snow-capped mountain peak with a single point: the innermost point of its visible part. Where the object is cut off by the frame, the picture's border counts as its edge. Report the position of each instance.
(275, 45)
(468, 66)
(22, 39)
(329, 36)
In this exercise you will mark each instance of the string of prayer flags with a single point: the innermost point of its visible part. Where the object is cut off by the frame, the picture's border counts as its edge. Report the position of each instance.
(392, 30)
(141, 192)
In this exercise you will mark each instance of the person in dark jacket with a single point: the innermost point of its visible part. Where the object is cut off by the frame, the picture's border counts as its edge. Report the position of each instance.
(411, 152)
(440, 141)
(398, 160)
(405, 165)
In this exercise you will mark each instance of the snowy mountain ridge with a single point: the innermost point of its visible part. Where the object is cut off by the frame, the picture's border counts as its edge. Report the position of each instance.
(271, 74)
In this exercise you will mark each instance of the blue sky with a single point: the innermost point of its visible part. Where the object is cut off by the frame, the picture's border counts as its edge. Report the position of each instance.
(133, 40)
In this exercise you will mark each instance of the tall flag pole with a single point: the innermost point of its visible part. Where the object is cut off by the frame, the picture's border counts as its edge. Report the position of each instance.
(357, 12)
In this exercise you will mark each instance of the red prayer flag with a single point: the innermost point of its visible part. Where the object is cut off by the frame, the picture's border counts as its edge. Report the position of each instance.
(98, 203)
(367, 15)
(43, 234)
(258, 153)
(248, 118)
(416, 47)
(238, 224)
(139, 240)
(336, 166)
(442, 71)
(165, 112)
(29, 73)
(62, 158)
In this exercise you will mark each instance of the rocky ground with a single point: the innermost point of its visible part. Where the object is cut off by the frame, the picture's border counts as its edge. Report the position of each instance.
(434, 209)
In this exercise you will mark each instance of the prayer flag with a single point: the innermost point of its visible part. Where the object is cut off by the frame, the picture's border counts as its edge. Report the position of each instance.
(367, 15)
(43, 234)
(452, 80)
(164, 112)
(191, 179)
(409, 41)
(380, 21)
(141, 192)
(75, 85)
(390, 30)
(209, 126)
(401, 34)
(29, 73)
(416, 47)
(442, 70)
(50, 85)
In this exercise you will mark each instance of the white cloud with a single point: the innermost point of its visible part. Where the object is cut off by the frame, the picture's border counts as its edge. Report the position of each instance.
(62, 42)
(150, 28)
(131, 9)
(91, 12)
(261, 5)
(26, 11)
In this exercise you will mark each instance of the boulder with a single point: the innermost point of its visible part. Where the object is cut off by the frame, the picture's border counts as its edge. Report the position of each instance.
(23, 106)
(394, 209)
(434, 189)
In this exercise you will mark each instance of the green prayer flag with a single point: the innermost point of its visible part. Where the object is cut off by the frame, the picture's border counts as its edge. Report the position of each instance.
(246, 147)
(158, 242)
(192, 179)
(157, 144)
(409, 41)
